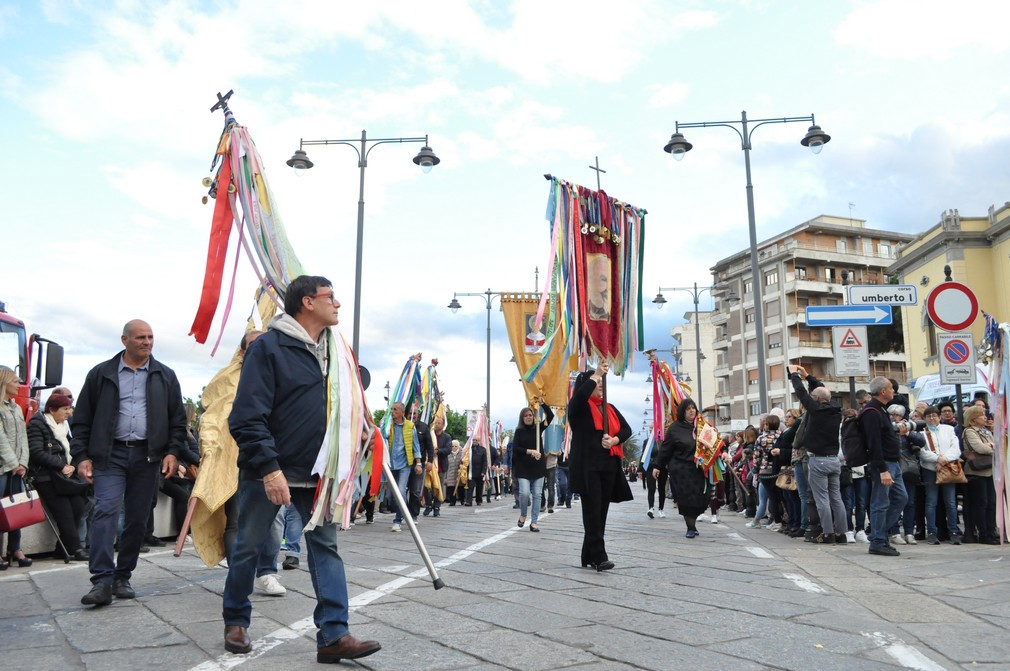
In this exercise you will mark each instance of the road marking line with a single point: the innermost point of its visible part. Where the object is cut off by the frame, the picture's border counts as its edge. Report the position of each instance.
(805, 584)
(305, 626)
(902, 653)
(760, 553)
(734, 535)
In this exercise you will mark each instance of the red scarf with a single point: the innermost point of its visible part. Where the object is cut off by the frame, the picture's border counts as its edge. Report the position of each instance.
(612, 422)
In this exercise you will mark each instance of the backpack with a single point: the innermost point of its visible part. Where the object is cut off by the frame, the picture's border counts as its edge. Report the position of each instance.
(851, 438)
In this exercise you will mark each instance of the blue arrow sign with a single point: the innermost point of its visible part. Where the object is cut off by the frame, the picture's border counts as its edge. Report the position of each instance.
(848, 315)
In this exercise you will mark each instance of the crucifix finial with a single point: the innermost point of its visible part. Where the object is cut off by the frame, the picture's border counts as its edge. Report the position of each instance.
(598, 170)
(222, 102)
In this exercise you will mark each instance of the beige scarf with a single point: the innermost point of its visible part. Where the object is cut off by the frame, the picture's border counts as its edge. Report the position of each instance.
(60, 431)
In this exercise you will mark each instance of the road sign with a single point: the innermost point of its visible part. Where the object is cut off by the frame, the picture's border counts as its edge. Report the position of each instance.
(957, 358)
(883, 294)
(952, 306)
(852, 358)
(848, 315)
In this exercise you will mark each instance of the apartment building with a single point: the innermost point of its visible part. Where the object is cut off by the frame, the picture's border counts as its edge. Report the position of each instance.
(808, 264)
(687, 352)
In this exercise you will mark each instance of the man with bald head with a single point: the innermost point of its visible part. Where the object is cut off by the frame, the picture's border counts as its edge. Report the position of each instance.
(824, 468)
(129, 424)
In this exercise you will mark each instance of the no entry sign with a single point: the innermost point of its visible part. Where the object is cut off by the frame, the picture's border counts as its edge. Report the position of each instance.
(952, 306)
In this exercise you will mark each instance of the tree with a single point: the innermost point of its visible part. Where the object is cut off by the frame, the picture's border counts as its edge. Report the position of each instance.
(632, 451)
(890, 338)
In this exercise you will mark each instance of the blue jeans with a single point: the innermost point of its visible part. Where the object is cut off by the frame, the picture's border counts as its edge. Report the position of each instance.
(803, 490)
(255, 518)
(402, 476)
(860, 496)
(949, 492)
(551, 482)
(128, 482)
(564, 496)
(266, 560)
(762, 501)
(907, 516)
(526, 487)
(292, 531)
(886, 503)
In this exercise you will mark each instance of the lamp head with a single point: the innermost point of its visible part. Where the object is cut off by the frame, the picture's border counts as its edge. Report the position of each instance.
(454, 305)
(300, 162)
(659, 300)
(677, 146)
(815, 139)
(426, 159)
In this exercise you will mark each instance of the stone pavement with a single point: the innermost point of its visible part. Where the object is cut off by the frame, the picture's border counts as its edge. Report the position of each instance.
(731, 599)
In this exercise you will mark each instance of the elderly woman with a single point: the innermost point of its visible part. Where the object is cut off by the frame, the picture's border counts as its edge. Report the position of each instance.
(452, 474)
(980, 493)
(677, 453)
(595, 462)
(941, 448)
(49, 461)
(13, 457)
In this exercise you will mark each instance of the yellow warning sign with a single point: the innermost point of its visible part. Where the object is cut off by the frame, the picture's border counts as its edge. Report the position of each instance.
(850, 340)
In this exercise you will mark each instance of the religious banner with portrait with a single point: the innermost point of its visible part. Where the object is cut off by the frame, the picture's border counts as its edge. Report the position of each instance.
(527, 338)
(597, 244)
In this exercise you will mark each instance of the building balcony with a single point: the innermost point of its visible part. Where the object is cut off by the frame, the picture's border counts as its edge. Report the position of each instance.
(718, 318)
(721, 371)
(721, 342)
(807, 349)
(796, 318)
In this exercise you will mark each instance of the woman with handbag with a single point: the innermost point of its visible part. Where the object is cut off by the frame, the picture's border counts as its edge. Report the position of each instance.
(677, 453)
(61, 490)
(13, 458)
(909, 444)
(940, 458)
(980, 494)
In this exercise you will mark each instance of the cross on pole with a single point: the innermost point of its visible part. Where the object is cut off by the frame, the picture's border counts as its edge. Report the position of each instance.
(222, 102)
(598, 170)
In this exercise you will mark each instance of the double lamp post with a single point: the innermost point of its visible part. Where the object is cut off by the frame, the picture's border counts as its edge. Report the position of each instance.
(815, 139)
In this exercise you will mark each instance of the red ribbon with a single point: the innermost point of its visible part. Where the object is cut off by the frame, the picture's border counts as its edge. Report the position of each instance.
(217, 252)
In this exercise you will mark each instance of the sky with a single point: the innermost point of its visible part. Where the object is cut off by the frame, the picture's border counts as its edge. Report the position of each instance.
(107, 134)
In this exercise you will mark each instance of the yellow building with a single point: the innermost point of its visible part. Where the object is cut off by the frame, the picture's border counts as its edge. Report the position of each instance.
(977, 249)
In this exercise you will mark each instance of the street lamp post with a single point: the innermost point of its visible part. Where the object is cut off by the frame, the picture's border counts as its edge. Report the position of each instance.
(696, 293)
(300, 162)
(488, 296)
(815, 139)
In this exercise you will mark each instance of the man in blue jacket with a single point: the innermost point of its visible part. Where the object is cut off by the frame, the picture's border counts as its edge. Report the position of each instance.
(279, 422)
(129, 424)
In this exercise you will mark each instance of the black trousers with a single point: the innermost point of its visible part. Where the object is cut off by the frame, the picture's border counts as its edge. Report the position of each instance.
(980, 496)
(651, 482)
(595, 506)
(66, 512)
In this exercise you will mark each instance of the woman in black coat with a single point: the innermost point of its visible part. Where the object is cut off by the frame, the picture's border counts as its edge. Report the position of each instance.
(595, 466)
(49, 460)
(677, 452)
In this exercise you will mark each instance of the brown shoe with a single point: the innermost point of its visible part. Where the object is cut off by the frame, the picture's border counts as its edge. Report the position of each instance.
(236, 639)
(346, 647)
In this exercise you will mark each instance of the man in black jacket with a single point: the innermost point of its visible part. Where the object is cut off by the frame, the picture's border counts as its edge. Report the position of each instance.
(821, 443)
(129, 423)
(888, 495)
(279, 421)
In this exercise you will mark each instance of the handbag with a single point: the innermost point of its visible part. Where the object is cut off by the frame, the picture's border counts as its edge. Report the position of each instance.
(786, 479)
(979, 462)
(951, 472)
(21, 510)
(72, 485)
(910, 473)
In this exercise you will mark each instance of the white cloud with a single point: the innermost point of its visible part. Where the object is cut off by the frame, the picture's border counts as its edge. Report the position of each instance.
(910, 30)
(667, 95)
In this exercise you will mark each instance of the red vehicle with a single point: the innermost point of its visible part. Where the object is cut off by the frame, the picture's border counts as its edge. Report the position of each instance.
(16, 351)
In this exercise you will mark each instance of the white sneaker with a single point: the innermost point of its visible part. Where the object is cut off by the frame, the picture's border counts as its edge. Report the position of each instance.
(910, 540)
(774, 526)
(395, 528)
(861, 536)
(651, 512)
(271, 585)
(715, 519)
(850, 536)
(752, 525)
(661, 513)
(898, 539)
